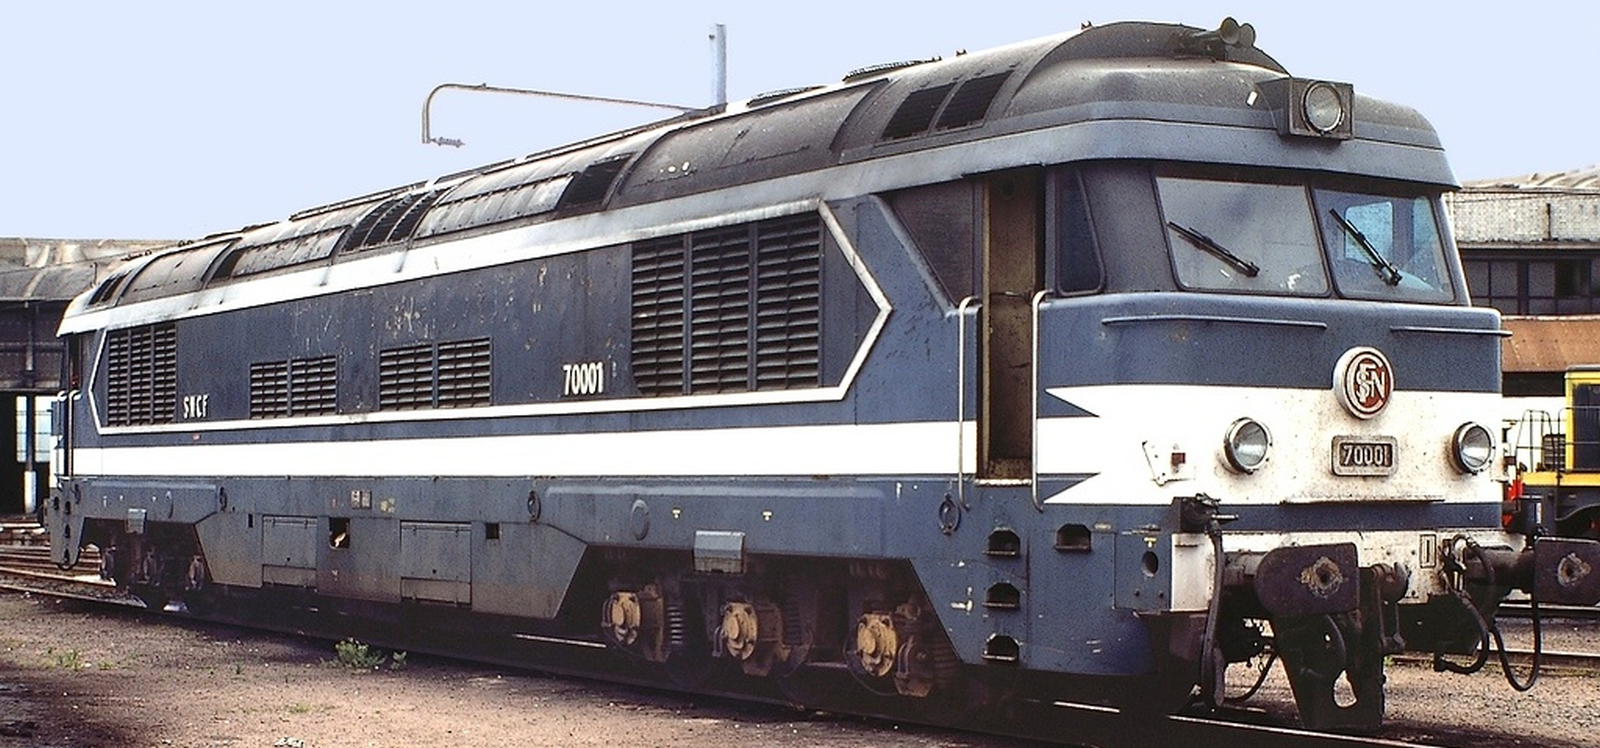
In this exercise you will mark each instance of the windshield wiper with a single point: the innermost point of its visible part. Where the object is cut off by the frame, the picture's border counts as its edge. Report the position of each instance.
(1386, 270)
(1211, 246)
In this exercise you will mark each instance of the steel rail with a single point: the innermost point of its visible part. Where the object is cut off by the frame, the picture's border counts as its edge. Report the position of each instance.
(1548, 612)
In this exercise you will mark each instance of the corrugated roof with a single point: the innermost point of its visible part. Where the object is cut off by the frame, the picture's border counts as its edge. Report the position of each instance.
(1541, 209)
(35, 252)
(1586, 178)
(59, 269)
(1550, 343)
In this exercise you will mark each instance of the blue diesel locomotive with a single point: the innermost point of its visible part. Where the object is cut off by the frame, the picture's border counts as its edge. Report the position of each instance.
(1070, 371)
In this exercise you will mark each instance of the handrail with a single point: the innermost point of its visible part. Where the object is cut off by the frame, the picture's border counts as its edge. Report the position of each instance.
(1145, 318)
(1033, 441)
(961, 399)
(1450, 330)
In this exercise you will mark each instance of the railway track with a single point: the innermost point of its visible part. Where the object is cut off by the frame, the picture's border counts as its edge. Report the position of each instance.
(37, 558)
(1522, 610)
(27, 567)
(1064, 722)
(35, 562)
(1551, 661)
(22, 532)
(1228, 728)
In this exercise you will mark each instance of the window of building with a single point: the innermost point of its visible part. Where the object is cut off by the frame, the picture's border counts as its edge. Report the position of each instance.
(1530, 284)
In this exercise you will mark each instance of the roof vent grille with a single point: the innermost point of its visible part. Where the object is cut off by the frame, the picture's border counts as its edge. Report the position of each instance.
(591, 186)
(916, 113)
(970, 103)
(392, 221)
(883, 67)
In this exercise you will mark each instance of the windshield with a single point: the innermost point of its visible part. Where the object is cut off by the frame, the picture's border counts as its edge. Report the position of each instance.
(1384, 247)
(1263, 226)
(1263, 238)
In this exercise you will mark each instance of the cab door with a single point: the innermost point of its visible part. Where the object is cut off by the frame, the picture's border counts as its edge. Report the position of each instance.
(1012, 252)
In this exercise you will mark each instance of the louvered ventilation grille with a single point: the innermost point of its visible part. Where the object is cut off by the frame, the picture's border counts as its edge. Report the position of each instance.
(142, 375)
(163, 403)
(788, 316)
(464, 373)
(719, 311)
(302, 387)
(916, 113)
(658, 316)
(748, 327)
(119, 378)
(269, 389)
(971, 102)
(405, 378)
(313, 386)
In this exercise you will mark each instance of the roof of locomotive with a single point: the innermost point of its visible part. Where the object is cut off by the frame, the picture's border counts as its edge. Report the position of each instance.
(1161, 73)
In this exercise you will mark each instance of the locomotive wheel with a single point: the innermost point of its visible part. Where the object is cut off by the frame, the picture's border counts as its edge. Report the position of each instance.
(153, 598)
(687, 670)
(965, 698)
(200, 602)
(808, 687)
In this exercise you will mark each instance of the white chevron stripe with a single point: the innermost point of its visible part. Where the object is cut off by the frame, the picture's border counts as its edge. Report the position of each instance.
(1136, 428)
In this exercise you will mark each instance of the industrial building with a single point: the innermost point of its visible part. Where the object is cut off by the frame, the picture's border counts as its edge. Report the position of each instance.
(1531, 248)
(38, 277)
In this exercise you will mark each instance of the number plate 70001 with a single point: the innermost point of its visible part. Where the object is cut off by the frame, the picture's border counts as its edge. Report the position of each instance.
(1364, 455)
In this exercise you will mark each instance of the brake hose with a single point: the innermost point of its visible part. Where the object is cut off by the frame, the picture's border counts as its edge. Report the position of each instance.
(1208, 640)
(1261, 679)
(1538, 649)
(1488, 630)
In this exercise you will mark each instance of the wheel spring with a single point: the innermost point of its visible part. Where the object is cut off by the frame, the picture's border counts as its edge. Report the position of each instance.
(946, 665)
(793, 623)
(677, 628)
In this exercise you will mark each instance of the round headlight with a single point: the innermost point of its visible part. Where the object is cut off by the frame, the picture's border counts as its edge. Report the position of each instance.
(1471, 448)
(1246, 445)
(1324, 110)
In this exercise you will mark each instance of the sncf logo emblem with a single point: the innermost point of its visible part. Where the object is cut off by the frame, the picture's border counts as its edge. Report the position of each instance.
(1364, 381)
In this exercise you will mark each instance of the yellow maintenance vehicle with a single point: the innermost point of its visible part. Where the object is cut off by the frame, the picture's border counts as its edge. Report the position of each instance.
(1554, 463)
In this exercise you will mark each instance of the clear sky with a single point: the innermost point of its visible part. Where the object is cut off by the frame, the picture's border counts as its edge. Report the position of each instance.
(172, 120)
